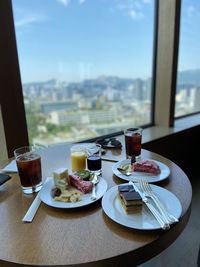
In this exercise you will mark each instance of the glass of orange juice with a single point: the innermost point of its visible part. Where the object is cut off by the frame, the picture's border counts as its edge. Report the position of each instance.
(78, 158)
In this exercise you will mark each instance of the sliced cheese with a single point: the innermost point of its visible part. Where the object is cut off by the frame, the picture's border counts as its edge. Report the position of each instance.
(60, 177)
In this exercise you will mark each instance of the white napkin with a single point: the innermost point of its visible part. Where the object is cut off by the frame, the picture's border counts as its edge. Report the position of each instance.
(32, 209)
(34, 206)
(11, 167)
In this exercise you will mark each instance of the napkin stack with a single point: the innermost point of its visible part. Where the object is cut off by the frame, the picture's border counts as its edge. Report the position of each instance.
(11, 167)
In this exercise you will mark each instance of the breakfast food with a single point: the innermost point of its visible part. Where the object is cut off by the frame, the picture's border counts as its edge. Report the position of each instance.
(125, 188)
(130, 199)
(69, 188)
(72, 195)
(148, 166)
(77, 182)
(60, 177)
(62, 191)
(83, 174)
(127, 168)
(55, 192)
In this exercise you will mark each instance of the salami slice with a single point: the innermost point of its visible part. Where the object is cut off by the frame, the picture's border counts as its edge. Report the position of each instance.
(77, 182)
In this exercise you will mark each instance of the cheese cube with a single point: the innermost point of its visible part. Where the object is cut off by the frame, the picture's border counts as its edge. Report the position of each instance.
(60, 177)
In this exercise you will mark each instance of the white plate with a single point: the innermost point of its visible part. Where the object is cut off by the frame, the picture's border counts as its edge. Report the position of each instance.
(136, 176)
(45, 195)
(142, 219)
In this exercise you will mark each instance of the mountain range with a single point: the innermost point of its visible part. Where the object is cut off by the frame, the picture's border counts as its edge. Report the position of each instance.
(187, 77)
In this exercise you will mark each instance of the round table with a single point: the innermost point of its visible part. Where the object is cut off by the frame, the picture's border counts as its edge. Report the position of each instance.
(83, 236)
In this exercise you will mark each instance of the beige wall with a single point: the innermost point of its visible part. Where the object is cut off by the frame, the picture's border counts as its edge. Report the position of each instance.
(3, 148)
(166, 63)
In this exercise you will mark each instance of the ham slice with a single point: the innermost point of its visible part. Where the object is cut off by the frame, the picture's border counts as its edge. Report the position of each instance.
(148, 166)
(81, 185)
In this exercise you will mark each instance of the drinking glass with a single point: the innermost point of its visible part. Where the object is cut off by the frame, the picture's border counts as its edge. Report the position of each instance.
(28, 162)
(94, 158)
(78, 158)
(133, 141)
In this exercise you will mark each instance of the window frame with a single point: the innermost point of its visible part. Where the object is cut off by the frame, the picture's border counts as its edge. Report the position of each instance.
(167, 61)
(11, 96)
(167, 16)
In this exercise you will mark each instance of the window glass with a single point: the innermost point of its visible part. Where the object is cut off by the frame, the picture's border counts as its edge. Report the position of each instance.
(188, 79)
(86, 66)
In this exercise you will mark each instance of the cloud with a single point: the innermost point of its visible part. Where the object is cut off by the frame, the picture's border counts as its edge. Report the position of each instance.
(133, 9)
(81, 1)
(29, 19)
(190, 11)
(136, 14)
(64, 2)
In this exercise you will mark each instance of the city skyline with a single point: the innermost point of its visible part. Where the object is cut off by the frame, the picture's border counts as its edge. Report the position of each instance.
(57, 112)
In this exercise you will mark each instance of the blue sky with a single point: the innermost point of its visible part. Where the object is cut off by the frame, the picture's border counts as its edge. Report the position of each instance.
(72, 40)
(189, 55)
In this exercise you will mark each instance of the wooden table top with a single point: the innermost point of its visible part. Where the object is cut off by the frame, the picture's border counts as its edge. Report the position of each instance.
(83, 236)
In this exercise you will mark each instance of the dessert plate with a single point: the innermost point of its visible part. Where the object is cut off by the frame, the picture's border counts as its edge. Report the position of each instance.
(142, 219)
(45, 195)
(136, 176)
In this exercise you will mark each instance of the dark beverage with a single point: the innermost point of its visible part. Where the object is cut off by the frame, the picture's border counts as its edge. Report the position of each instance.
(94, 163)
(133, 144)
(29, 168)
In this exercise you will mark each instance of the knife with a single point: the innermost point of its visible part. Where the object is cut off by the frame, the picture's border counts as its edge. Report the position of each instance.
(156, 214)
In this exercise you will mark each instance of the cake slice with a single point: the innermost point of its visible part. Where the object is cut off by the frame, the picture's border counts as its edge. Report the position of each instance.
(125, 187)
(148, 166)
(130, 199)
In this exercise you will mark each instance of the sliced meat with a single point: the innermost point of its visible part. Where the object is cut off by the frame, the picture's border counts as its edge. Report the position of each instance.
(83, 186)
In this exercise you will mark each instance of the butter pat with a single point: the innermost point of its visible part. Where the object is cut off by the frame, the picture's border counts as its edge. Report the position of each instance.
(60, 177)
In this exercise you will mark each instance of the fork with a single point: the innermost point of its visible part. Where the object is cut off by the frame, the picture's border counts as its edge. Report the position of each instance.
(156, 214)
(149, 193)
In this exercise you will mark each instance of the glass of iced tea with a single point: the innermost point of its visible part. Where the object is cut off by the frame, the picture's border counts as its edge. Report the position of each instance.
(78, 158)
(94, 158)
(29, 168)
(133, 142)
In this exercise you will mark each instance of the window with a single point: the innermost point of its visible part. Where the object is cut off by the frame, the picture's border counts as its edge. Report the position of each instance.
(188, 80)
(86, 66)
(11, 98)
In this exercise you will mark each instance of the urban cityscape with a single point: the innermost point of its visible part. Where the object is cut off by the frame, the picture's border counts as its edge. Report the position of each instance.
(59, 112)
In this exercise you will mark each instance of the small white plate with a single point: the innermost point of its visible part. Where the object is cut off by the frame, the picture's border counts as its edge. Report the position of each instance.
(143, 218)
(45, 195)
(136, 176)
